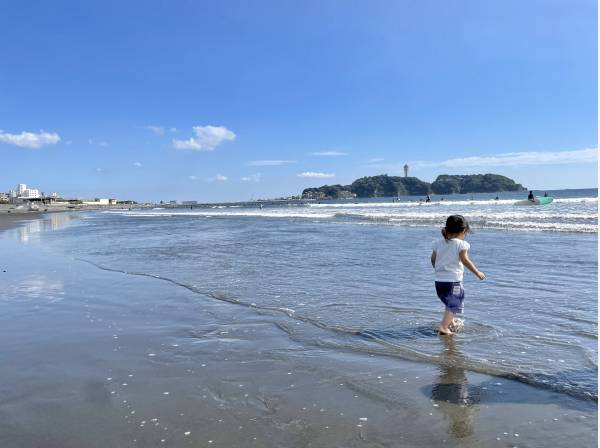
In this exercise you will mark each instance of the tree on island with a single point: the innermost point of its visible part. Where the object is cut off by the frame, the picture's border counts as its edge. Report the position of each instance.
(326, 191)
(474, 183)
(392, 186)
(386, 186)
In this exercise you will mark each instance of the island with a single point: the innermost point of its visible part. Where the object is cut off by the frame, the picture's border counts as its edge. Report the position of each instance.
(391, 186)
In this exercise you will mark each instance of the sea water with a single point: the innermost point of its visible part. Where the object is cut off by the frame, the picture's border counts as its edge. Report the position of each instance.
(355, 276)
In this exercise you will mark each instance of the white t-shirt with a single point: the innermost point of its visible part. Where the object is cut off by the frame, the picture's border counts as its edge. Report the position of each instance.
(448, 267)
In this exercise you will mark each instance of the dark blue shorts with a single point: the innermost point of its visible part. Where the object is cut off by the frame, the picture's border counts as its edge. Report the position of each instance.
(452, 294)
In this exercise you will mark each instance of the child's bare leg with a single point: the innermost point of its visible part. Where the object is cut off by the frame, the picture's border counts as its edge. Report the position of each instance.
(446, 321)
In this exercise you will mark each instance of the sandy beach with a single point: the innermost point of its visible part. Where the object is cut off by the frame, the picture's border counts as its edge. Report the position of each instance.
(11, 215)
(9, 220)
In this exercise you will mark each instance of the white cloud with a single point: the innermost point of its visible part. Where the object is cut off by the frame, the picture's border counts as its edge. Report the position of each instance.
(91, 141)
(317, 175)
(158, 130)
(375, 160)
(589, 155)
(99, 170)
(207, 138)
(137, 164)
(30, 139)
(270, 162)
(192, 177)
(252, 178)
(330, 153)
(217, 178)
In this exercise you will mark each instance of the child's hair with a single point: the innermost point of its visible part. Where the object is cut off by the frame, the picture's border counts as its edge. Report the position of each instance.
(455, 224)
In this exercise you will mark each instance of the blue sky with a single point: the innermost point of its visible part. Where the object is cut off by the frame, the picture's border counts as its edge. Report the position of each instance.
(232, 100)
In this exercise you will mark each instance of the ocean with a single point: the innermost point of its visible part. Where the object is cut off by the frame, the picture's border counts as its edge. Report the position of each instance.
(337, 280)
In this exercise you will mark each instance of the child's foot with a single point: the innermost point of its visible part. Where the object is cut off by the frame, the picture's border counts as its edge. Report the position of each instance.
(445, 331)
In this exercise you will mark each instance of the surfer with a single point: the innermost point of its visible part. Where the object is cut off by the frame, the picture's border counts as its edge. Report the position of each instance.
(449, 257)
(427, 199)
(545, 194)
(530, 196)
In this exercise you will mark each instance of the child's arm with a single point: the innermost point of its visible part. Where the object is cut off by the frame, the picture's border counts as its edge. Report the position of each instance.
(464, 257)
(433, 256)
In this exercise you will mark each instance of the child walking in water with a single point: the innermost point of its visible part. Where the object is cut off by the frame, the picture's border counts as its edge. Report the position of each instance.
(448, 258)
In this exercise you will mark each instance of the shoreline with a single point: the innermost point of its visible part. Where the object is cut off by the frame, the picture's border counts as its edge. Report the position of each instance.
(11, 216)
(11, 220)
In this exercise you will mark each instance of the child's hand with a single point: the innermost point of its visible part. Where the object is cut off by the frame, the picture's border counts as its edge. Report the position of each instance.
(480, 275)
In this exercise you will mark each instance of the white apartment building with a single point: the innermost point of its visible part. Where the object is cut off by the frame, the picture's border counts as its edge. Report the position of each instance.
(22, 192)
(25, 193)
(30, 193)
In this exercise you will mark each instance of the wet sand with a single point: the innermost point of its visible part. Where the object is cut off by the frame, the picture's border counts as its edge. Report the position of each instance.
(10, 220)
(96, 358)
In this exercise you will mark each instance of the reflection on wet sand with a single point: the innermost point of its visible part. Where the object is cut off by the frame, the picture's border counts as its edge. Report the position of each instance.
(34, 286)
(456, 399)
(51, 221)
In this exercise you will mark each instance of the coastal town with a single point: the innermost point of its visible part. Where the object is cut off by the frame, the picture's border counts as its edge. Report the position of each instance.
(24, 198)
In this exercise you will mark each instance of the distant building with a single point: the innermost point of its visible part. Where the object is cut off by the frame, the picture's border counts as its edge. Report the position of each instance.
(4, 197)
(54, 200)
(405, 170)
(30, 193)
(345, 194)
(22, 192)
(189, 202)
(313, 195)
(96, 201)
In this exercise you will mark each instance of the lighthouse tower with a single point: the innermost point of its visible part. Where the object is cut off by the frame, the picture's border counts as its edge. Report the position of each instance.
(405, 170)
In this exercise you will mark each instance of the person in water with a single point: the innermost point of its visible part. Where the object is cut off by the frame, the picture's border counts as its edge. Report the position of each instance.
(449, 257)
(545, 194)
(530, 196)
(428, 199)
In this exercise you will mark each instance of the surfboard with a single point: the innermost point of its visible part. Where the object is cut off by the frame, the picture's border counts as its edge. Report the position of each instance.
(539, 200)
